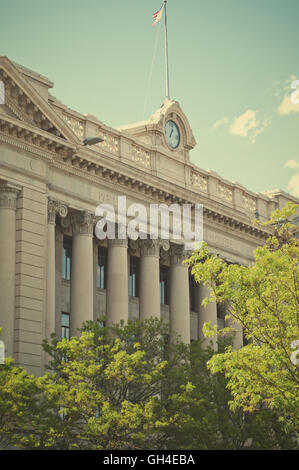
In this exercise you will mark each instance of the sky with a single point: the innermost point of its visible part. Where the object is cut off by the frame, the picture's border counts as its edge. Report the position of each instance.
(231, 64)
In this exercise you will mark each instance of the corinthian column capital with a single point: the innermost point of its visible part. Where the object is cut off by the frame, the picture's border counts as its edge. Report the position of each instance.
(149, 247)
(83, 223)
(56, 207)
(8, 197)
(178, 254)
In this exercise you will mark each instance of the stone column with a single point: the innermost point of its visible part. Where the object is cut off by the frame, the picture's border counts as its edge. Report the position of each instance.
(206, 314)
(179, 294)
(54, 207)
(8, 204)
(149, 287)
(238, 332)
(81, 270)
(117, 281)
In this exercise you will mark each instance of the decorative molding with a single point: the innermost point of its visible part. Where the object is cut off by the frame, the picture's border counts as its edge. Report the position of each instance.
(225, 192)
(140, 155)
(198, 180)
(75, 124)
(249, 202)
(110, 143)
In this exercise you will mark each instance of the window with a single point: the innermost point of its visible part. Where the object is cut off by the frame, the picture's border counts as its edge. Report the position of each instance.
(66, 258)
(192, 293)
(65, 325)
(102, 267)
(133, 278)
(164, 296)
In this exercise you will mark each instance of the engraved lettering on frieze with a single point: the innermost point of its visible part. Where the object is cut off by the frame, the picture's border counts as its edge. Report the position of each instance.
(219, 240)
(108, 198)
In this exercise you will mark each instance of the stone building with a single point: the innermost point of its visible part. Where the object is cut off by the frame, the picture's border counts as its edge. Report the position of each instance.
(54, 272)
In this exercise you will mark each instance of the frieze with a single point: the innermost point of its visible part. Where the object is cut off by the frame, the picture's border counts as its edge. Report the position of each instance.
(249, 202)
(198, 180)
(75, 124)
(225, 192)
(110, 143)
(140, 156)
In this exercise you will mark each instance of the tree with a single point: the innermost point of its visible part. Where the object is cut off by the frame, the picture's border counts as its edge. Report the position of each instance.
(264, 299)
(108, 385)
(127, 387)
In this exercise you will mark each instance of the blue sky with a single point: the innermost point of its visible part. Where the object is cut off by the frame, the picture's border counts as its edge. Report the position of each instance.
(232, 63)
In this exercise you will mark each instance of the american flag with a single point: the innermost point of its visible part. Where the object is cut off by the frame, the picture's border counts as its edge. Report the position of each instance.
(158, 15)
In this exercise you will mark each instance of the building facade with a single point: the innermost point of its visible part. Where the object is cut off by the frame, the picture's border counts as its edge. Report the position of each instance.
(54, 272)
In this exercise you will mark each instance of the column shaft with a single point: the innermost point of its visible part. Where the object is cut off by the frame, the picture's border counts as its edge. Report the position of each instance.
(206, 314)
(117, 282)
(81, 272)
(8, 197)
(238, 332)
(179, 296)
(50, 311)
(149, 292)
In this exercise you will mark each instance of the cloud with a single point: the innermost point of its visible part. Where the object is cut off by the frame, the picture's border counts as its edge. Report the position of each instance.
(291, 164)
(247, 125)
(222, 122)
(287, 106)
(293, 185)
(288, 92)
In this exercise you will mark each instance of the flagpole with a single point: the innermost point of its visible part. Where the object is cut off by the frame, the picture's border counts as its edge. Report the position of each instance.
(166, 54)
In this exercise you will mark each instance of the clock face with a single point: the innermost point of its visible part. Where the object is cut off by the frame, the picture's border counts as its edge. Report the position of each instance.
(172, 134)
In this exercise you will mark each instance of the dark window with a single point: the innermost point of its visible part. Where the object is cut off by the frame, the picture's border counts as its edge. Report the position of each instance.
(221, 310)
(66, 258)
(133, 278)
(192, 293)
(102, 267)
(164, 291)
(65, 325)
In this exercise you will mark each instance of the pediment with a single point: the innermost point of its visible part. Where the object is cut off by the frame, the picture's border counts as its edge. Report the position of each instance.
(152, 131)
(172, 110)
(25, 103)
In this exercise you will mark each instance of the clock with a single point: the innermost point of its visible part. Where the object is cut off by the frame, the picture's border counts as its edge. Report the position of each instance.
(172, 134)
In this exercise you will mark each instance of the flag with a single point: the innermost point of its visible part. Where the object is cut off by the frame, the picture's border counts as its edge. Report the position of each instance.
(158, 15)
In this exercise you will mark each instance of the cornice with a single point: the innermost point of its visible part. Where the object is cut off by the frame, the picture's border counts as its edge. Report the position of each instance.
(63, 155)
(35, 105)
